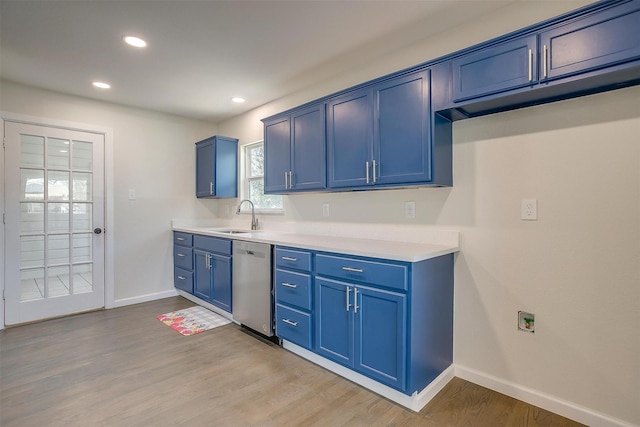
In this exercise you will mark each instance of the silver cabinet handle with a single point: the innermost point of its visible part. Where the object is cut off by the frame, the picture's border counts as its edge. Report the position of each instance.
(180, 238)
(367, 171)
(289, 285)
(530, 65)
(348, 303)
(181, 255)
(286, 258)
(181, 277)
(211, 188)
(374, 171)
(208, 258)
(355, 300)
(544, 60)
(353, 270)
(289, 322)
(290, 180)
(286, 180)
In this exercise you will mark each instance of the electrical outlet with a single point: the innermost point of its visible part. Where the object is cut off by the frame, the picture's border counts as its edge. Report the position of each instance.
(526, 321)
(325, 209)
(529, 209)
(410, 209)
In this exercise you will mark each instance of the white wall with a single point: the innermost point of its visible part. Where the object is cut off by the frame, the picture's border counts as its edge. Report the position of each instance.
(577, 268)
(155, 155)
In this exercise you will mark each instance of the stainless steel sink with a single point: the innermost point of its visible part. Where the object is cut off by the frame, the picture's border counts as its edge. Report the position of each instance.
(232, 231)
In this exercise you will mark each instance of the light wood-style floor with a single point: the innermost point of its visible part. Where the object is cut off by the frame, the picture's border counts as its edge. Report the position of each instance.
(122, 367)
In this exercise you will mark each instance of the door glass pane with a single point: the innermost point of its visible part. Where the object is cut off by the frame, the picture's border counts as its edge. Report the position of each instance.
(32, 184)
(32, 151)
(31, 251)
(58, 249)
(58, 281)
(82, 155)
(82, 186)
(58, 153)
(82, 216)
(32, 217)
(32, 284)
(82, 247)
(58, 185)
(58, 217)
(82, 278)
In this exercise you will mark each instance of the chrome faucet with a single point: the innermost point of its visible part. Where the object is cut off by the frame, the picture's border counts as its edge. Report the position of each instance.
(254, 220)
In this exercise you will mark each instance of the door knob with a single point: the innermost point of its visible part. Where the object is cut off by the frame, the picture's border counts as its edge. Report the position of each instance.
(97, 230)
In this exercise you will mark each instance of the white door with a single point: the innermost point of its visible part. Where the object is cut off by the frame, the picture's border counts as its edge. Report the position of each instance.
(54, 203)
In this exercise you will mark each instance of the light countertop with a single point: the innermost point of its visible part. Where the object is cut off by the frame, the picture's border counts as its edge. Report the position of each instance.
(375, 248)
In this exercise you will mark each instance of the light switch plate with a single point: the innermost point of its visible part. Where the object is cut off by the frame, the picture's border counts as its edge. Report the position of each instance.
(410, 209)
(132, 194)
(325, 209)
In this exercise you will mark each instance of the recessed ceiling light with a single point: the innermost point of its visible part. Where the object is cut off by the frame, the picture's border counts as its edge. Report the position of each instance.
(238, 100)
(134, 41)
(101, 85)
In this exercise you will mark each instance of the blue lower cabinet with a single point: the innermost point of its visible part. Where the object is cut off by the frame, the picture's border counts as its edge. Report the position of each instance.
(362, 328)
(212, 281)
(294, 325)
(183, 261)
(183, 279)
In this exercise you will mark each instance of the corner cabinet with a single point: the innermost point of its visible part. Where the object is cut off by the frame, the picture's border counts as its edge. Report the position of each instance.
(217, 167)
(391, 321)
(295, 151)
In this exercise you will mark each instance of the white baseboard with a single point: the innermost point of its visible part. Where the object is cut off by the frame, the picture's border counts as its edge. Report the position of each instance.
(415, 402)
(143, 298)
(542, 400)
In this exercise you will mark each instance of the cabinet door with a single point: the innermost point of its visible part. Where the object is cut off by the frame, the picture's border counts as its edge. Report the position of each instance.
(334, 321)
(202, 281)
(308, 149)
(402, 133)
(349, 138)
(221, 275)
(205, 168)
(495, 69)
(277, 154)
(606, 38)
(380, 331)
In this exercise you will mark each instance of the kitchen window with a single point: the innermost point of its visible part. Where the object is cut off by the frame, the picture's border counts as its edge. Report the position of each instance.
(253, 181)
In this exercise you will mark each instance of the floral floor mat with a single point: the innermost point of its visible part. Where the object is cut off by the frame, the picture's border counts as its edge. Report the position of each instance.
(193, 320)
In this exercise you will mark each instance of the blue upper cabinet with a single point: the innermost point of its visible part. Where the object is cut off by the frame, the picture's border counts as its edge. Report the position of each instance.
(381, 135)
(217, 167)
(350, 139)
(277, 154)
(295, 151)
(589, 51)
(495, 69)
(402, 139)
(599, 40)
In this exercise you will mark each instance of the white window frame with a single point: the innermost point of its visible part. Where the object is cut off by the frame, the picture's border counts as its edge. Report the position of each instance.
(246, 178)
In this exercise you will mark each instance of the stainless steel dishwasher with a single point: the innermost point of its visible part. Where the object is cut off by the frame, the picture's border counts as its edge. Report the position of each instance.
(252, 297)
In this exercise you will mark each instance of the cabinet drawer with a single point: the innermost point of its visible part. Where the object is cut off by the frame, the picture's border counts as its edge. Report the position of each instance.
(289, 258)
(389, 275)
(293, 325)
(183, 279)
(293, 288)
(212, 244)
(182, 239)
(183, 257)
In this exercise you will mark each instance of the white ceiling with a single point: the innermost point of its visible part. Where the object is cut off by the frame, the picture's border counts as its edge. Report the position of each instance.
(202, 53)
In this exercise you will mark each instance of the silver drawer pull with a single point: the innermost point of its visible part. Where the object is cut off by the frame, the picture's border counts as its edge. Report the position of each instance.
(181, 254)
(289, 322)
(181, 277)
(180, 238)
(286, 258)
(353, 270)
(289, 285)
